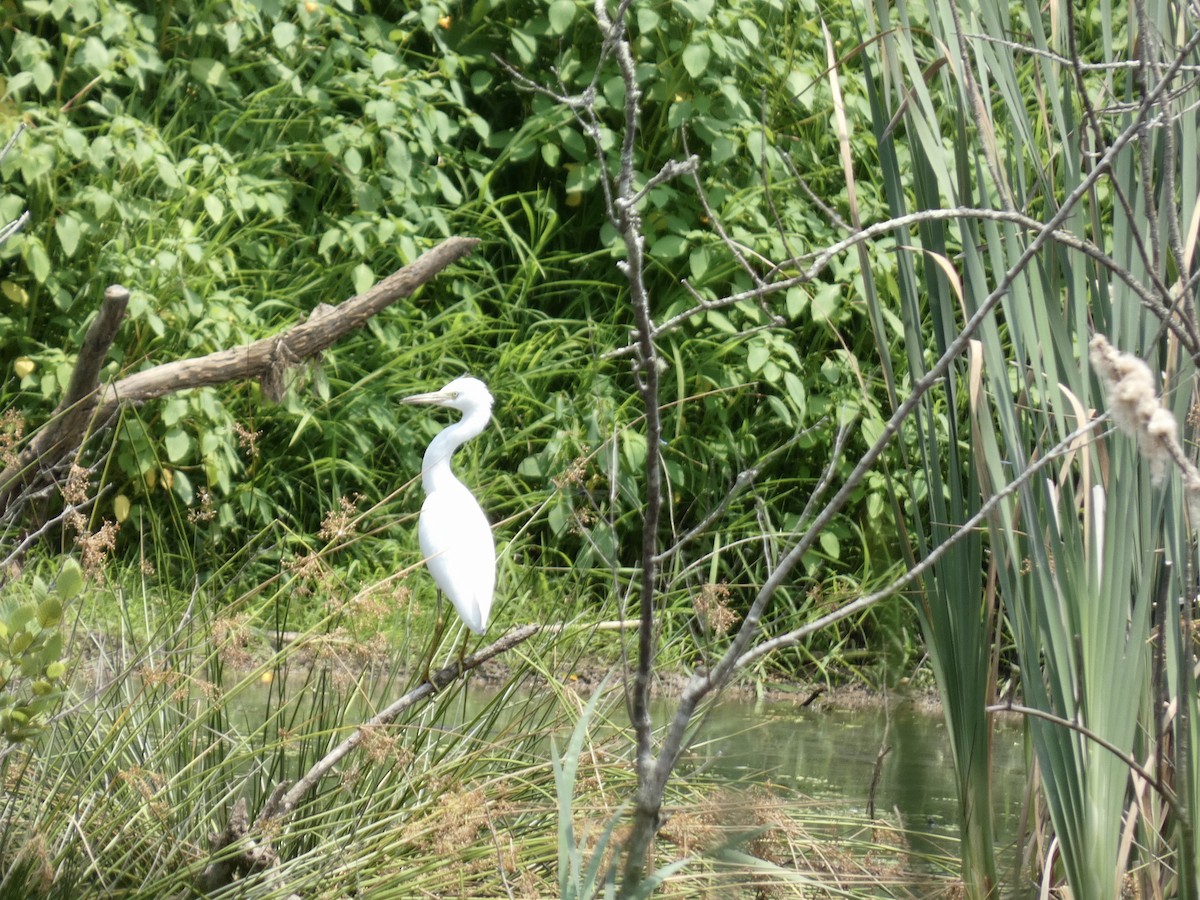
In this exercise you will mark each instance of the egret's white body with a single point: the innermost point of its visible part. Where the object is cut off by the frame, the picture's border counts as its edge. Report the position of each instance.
(454, 533)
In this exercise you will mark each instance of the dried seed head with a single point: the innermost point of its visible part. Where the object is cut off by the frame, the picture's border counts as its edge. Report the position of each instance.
(1134, 403)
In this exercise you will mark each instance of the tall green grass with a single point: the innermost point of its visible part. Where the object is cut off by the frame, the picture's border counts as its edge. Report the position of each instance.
(1075, 554)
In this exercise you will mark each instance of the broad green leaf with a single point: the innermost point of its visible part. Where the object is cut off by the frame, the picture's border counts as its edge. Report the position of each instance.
(669, 246)
(214, 207)
(757, 357)
(830, 545)
(209, 71)
(284, 35)
(695, 59)
(825, 303)
(37, 259)
(70, 581)
(647, 19)
(699, 10)
(178, 443)
(795, 302)
(43, 77)
(795, 391)
(50, 612)
(14, 292)
(66, 227)
(561, 13)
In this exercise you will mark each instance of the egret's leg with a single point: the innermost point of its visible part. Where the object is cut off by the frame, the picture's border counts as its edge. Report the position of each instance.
(462, 651)
(438, 628)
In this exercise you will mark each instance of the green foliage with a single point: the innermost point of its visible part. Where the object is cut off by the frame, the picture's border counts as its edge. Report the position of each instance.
(237, 164)
(32, 665)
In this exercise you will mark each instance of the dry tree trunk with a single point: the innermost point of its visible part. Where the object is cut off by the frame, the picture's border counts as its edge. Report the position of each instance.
(88, 405)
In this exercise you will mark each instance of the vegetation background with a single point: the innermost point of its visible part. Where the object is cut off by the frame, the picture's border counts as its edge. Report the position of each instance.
(236, 164)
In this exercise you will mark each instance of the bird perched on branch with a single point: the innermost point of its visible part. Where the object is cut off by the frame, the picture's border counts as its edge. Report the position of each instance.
(455, 536)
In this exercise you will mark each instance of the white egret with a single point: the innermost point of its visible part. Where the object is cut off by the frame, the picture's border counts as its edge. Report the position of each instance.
(454, 532)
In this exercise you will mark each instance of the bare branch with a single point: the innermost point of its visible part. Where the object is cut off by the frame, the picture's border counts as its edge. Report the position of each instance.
(287, 800)
(1149, 298)
(86, 403)
(703, 683)
(77, 411)
(303, 341)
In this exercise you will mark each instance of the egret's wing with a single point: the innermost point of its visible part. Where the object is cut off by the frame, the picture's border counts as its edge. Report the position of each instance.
(457, 542)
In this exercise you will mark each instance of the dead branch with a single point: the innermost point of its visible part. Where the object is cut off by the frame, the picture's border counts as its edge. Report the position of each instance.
(67, 428)
(88, 404)
(304, 341)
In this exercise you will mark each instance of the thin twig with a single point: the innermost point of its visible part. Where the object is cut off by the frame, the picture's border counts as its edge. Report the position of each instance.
(1132, 764)
(701, 684)
(1150, 299)
(1062, 448)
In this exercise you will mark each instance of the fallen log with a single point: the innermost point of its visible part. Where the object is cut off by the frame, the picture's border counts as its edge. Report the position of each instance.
(88, 405)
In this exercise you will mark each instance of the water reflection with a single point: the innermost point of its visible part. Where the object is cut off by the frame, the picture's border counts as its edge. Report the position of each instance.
(828, 755)
(831, 755)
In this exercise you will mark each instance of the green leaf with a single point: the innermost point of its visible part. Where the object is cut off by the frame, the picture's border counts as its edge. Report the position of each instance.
(37, 259)
(66, 227)
(284, 34)
(215, 208)
(796, 302)
(829, 543)
(633, 447)
(363, 278)
(720, 321)
(647, 19)
(209, 71)
(50, 612)
(178, 443)
(826, 302)
(559, 517)
(757, 357)
(699, 10)
(70, 581)
(695, 59)
(795, 391)
(43, 77)
(669, 246)
(95, 54)
(383, 64)
(562, 13)
(525, 44)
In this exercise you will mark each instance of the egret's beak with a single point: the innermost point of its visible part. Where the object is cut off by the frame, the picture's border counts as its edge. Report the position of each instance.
(436, 398)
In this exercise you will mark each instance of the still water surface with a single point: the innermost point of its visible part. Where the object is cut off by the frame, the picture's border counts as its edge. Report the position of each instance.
(830, 755)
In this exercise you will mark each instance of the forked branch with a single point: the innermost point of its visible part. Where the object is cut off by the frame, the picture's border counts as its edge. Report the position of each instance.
(88, 405)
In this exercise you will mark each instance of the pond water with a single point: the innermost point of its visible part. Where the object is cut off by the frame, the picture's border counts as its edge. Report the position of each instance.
(831, 755)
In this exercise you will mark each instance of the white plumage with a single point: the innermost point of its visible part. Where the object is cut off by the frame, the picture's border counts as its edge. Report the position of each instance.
(455, 536)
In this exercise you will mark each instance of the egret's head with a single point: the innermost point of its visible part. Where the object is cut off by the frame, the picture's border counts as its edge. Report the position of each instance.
(464, 394)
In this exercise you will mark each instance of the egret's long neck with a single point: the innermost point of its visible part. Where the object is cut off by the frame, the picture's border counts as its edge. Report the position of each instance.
(435, 467)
